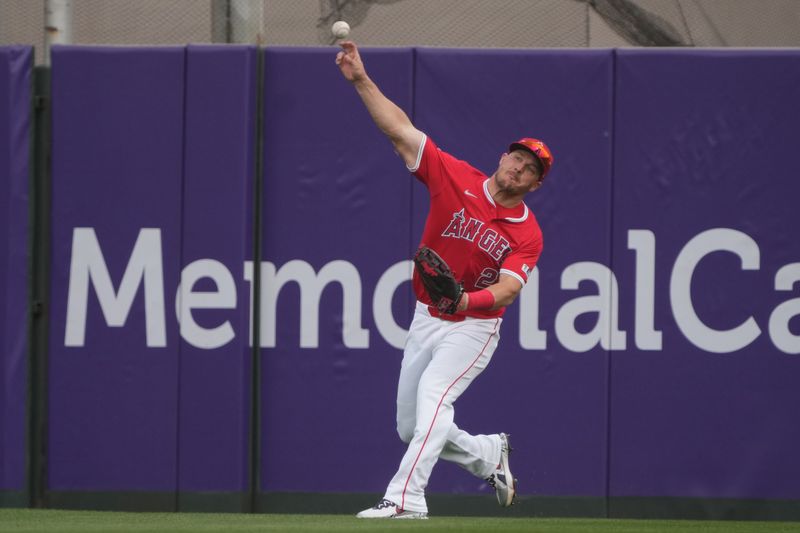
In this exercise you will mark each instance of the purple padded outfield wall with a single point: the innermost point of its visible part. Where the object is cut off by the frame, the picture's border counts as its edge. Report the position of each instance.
(215, 361)
(607, 391)
(16, 63)
(336, 202)
(350, 202)
(153, 159)
(706, 181)
(117, 184)
(653, 353)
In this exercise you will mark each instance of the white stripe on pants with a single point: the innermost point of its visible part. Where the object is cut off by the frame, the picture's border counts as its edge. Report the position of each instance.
(440, 360)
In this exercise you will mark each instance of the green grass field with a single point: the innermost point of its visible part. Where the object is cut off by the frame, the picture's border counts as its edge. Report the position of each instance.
(27, 520)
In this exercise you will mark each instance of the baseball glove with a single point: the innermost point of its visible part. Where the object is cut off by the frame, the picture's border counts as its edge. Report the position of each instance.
(438, 279)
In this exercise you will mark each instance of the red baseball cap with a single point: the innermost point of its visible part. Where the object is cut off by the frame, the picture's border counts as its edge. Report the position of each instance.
(539, 150)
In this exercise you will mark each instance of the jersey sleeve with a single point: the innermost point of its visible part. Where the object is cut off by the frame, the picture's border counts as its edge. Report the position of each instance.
(435, 168)
(420, 152)
(429, 167)
(521, 262)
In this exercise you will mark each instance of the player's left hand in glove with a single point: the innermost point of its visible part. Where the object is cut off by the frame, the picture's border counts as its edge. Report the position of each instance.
(438, 279)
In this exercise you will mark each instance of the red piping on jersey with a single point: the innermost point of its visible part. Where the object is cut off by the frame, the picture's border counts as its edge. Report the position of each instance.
(436, 413)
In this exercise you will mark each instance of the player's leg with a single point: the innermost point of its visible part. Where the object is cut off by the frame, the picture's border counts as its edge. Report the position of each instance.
(486, 457)
(424, 333)
(477, 454)
(459, 358)
(417, 353)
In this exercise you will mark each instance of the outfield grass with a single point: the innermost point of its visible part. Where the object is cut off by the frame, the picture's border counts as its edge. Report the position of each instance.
(29, 520)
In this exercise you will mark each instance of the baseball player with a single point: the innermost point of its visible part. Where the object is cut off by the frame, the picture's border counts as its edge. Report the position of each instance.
(479, 245)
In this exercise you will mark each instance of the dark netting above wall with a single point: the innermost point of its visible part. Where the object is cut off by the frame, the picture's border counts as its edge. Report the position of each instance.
(443, 23)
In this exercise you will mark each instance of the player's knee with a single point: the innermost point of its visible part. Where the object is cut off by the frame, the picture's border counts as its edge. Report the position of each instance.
(406, 432)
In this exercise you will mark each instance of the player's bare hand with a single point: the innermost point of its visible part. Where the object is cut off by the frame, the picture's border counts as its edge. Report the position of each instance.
(349, 62)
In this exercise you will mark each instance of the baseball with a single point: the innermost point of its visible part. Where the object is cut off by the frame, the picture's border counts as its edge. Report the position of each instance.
(340, 29)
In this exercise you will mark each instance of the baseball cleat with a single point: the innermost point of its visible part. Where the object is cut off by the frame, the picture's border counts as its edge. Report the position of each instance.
(388, 509)
(503, 482)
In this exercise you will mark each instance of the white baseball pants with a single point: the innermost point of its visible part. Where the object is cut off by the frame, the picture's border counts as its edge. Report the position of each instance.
(440, 360)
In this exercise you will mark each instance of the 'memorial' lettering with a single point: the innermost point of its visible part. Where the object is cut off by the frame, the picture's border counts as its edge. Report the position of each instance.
(89, 265)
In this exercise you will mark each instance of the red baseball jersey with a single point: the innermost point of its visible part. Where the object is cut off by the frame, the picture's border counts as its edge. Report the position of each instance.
(478, 238)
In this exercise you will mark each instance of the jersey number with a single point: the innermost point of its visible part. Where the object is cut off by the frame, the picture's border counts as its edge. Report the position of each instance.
(488, 277)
